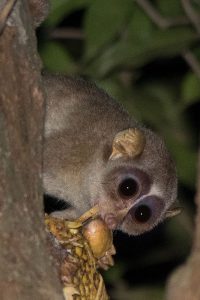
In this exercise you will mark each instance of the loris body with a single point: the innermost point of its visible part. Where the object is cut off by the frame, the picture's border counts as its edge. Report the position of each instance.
(83, 166)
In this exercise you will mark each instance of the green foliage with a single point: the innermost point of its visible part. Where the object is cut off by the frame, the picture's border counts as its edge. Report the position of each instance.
(57, 58)
(141, 65)
(140, 293)
(170, 8)
(60, 9)
(190, 89)
(100, 27)
(136, 53)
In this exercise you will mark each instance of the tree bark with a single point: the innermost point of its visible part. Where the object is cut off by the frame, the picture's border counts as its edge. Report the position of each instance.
(184, 283)
(26, 270)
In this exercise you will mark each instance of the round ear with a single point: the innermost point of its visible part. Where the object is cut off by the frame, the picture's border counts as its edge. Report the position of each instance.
(129, 142)
(172, 212)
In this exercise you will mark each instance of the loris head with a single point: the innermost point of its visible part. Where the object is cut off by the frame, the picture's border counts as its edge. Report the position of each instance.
(139, 184)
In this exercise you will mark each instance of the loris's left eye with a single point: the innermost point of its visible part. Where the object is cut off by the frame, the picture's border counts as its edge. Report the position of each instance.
(128, 188)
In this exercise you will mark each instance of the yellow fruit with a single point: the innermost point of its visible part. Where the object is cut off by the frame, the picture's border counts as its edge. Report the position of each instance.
(98, 236)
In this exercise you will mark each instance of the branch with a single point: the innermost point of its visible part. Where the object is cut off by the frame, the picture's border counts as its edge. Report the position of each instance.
(192, 15)
(192, 61)
(164, 23)
(67, 33)
(157, 18)
(197, 201)
(183, 284)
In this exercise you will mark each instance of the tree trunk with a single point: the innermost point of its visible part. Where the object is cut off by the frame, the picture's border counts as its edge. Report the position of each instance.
(26, 271)
(184, 283)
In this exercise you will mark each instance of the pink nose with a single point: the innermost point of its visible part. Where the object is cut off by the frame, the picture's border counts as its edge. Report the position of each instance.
(111, 221)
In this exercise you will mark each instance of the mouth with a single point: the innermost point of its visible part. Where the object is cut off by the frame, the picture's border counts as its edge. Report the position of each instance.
(114, 220)
(113, 214)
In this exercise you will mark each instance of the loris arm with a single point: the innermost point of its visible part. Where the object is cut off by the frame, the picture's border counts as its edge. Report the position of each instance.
(91, 156)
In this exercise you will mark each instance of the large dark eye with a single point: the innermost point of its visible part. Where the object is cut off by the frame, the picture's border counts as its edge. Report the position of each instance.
(128, 188)
(142, 213)
(148, 210)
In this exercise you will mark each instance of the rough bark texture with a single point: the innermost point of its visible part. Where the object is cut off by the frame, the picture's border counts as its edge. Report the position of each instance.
(26, 271)
(184, 283)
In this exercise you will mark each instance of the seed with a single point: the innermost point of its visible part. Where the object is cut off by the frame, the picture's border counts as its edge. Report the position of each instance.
(84, 279)
(82, 289)
(78, 251)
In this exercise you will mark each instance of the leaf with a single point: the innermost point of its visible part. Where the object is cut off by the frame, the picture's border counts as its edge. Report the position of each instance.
(112, 275)
(151, 110)
(170, 8)
(160, 111)
(140, 292)
(56, 58)
(103, 20)
(140, 27)
(61, 8)
(148, 292)
(179, 231)
(190, 90)
(132, 53)
(162, 95)
(185, 157)
(123, 94)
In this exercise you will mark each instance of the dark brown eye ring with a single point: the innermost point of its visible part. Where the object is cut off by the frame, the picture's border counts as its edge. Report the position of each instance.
(128, 188)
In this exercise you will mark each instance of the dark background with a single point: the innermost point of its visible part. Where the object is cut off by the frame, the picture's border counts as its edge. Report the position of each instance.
(140, 60)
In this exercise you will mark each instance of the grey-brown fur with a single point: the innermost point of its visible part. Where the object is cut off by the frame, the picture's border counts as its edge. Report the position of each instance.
(81, 123)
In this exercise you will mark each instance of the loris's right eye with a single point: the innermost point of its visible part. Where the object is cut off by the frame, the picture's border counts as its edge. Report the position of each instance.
(128, 188)
(148, 210)
(142, 213)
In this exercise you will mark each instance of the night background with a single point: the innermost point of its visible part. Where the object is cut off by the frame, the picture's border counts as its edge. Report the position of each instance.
(146, 54)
